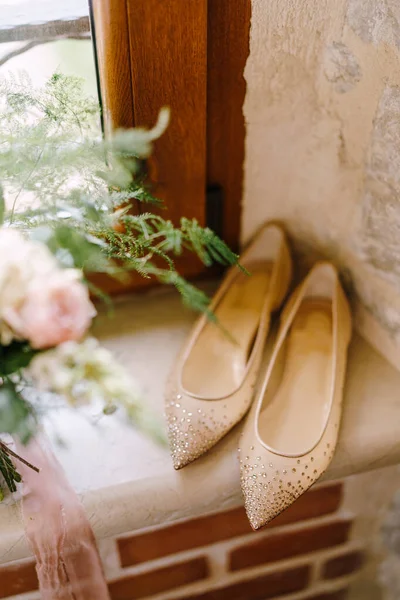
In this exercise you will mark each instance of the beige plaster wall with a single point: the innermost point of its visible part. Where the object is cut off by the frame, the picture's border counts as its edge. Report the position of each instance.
(323, 143)
(370, 496)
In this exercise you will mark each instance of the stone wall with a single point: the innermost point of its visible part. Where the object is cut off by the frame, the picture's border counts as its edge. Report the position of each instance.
(323, 143)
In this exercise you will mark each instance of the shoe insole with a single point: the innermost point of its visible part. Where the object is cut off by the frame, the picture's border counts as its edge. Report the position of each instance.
(217, 362)
(294, 420)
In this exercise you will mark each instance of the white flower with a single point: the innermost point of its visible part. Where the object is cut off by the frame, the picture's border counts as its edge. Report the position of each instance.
(82, 373)
(7, 335)
(86, 372)
(20, 261)
(39, 301)
(56, 309)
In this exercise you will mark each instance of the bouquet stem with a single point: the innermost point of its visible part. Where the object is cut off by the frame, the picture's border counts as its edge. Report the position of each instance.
(7, 468)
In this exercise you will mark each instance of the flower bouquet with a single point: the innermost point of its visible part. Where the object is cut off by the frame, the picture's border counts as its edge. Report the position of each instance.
(45, 314)
(65, 213)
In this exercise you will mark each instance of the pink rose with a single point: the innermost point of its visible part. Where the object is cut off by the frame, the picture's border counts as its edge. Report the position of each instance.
(56, 309)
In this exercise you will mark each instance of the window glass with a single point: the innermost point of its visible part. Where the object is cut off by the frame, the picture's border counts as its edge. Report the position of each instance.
(37, 39)
(43, 36)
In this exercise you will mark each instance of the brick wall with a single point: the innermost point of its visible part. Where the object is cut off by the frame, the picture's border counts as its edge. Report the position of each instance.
(304, 554)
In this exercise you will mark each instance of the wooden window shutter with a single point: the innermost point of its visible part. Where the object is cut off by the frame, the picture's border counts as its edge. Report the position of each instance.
(189, 55)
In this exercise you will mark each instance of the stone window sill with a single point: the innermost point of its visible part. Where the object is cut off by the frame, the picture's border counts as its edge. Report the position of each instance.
(127, 482)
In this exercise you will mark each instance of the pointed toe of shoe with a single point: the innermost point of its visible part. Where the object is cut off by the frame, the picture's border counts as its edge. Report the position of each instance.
(291, 433)
(264, 504)
(180, 461)
(192, 432)
(211, 386)
(187, 448)
(271, 483)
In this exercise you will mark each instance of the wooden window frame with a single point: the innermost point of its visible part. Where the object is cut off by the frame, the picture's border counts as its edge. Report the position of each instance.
(189, 55)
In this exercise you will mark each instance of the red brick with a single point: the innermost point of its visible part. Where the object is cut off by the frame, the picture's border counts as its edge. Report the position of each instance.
(222, 526)
(159, 580)
(317, 502)
(272, 585)
(18, 578)
(342, 565)
(285, 544)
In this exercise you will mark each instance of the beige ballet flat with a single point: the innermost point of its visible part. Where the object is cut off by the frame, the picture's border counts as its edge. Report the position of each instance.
(291, 432)
(212, 384)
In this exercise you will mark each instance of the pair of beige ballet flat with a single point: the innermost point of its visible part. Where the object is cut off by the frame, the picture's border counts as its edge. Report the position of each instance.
(290, 434)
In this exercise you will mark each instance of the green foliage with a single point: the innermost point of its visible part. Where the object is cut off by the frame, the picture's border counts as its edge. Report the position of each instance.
(15, 413)
(2, 206)
(47, 139)
(16, 418)
(64, 185)
(67, 186)
(9, 472)
(74, 248)
(15, 357)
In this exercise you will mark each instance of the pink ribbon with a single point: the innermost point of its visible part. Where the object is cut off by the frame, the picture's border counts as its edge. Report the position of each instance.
(67, 560)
